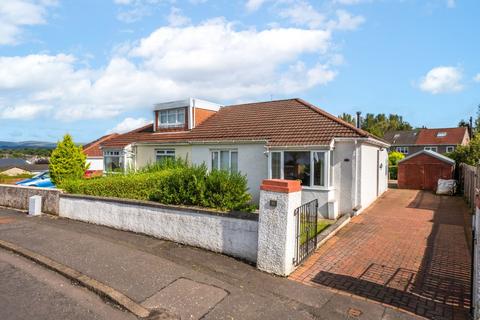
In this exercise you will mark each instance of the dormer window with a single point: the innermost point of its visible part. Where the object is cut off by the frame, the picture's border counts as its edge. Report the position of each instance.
(441, 134)
(172, 117)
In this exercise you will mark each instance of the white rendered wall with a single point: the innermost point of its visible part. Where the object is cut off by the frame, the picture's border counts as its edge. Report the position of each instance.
(343, 176)
(370, 168)
(96, 164)
(145, 154)
(232, 236)
(252, 162)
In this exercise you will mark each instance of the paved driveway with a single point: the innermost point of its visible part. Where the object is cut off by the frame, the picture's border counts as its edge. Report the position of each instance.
(408, 250)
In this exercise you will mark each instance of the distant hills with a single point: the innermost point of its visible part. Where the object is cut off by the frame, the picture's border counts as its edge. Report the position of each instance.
(27, 144)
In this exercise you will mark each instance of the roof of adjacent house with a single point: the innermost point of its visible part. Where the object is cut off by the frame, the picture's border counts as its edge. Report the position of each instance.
(442, 136)
(92, 149)
(424, 136)
(10, 162)
(292, 122)
(408, 137)
(430, 153)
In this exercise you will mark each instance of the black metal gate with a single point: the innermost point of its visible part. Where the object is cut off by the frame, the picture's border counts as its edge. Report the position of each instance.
(305, 230)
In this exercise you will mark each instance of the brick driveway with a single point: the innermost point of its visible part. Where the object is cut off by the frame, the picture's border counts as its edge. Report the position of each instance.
(408, 250)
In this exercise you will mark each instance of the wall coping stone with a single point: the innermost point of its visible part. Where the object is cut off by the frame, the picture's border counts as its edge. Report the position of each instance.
(31, 188)
(151, 204)
(282, 186)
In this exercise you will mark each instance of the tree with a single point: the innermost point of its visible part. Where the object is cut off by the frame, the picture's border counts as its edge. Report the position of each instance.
(469, 154)
(67, 161)
(463, 123)
(394, 157)
(347, 118)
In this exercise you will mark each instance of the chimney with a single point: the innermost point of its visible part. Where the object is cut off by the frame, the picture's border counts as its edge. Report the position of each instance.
(359, 120)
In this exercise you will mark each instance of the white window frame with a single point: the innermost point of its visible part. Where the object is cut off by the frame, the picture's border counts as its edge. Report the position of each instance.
(441, 134)
(399, 149)
(165, 153)
(450, 148)
(218, 152)
(177, 123)
(328, 170)
(435, 149)
(114, 154)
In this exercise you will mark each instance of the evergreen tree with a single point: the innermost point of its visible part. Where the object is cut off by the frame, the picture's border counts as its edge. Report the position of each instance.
(67, 161)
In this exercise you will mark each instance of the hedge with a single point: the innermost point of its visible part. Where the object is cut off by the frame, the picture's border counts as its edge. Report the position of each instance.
(177, 184)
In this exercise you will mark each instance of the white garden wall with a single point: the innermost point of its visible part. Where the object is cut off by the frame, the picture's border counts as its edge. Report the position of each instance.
(232, 234)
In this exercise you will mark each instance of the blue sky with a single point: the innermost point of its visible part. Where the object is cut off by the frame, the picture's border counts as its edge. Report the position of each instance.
(96, 66)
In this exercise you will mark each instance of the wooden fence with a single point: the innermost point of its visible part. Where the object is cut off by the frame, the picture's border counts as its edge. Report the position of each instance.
(469, 182)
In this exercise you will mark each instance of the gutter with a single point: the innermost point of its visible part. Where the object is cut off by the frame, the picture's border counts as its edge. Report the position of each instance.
(367, 140)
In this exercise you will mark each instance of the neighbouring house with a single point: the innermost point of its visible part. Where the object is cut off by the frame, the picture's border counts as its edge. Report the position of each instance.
(423, 169)
(442, 140)
(342, 166)
(15, 166)
(94, 153)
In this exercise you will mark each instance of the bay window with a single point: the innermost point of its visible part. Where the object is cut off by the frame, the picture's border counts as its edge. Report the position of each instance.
(312, 168)
(225, 160)
(113, 161)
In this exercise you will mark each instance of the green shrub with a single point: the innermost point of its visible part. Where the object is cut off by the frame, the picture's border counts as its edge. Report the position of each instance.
(393, 172)
(226, 191)
(394, 157)
(172, 182)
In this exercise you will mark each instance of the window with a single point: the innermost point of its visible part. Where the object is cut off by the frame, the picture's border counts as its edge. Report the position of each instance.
(297, 166)
(430, 149)
(112, 161)
(172, 117)
(161, 155)
(276, 165)
(403, 150)
(441, 134)
(450, 148)
(312, 168)
(225, 160)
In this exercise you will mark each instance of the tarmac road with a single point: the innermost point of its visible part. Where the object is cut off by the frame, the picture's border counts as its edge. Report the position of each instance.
(29, 291)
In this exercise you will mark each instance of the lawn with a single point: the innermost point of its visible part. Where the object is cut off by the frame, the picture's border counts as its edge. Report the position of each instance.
(321, 225)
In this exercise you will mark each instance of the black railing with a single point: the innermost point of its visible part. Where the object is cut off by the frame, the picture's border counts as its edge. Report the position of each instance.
(305, 230)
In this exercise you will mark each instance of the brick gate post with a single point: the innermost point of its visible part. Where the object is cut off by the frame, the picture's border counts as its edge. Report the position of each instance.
(276, 228)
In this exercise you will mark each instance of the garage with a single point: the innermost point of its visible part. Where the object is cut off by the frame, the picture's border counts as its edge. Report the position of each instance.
(422, 170)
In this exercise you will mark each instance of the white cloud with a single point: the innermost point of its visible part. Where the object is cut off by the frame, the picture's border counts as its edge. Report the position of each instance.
(253, 5)
(17, 14)
(129, 124)
(451, 3)
(442, 79)
(477, 78)
(349, 2)
(176, 18)
(302, 13)
(213, 60)
(23, 111)
(134, 10)
(346, 21)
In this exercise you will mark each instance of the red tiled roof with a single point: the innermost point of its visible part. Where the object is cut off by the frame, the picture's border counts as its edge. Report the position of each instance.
(92, 149)
(291, 122)
(454, 136)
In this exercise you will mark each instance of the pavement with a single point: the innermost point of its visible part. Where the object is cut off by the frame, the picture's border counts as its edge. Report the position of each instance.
(174, 280)
(408, 250)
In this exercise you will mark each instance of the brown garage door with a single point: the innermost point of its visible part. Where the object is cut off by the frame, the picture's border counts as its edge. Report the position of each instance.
(414, 176)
